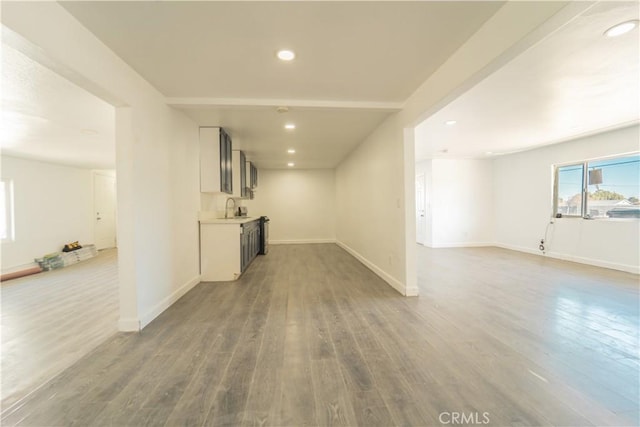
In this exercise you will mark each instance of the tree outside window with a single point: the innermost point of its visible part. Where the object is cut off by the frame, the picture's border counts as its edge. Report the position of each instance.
(612, 187)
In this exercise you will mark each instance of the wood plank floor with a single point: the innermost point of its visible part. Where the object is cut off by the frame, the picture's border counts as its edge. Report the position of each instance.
(50, 320)
(309, 336)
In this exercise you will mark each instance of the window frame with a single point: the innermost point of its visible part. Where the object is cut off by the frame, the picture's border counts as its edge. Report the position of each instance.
(585, 186)
(556, 169)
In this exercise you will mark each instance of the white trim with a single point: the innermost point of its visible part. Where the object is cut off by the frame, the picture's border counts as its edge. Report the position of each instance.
(572, 258)
(168, 301)
(129, 325)
(394, 283)
(411, 292)
(227, 102)
(595, 262)
(461, 245)
(301, 241)
(10, 214)
(410, 251)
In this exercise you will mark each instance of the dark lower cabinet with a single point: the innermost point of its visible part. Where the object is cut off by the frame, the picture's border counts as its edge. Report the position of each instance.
(249, 243)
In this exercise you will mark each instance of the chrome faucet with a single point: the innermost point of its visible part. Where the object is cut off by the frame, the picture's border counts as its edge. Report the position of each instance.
(226, 207)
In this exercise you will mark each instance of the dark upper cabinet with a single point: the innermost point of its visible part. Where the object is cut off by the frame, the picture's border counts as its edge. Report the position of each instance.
(254, 181)
(216, 151)
(228, 173)
(239, 175)
(251, 179)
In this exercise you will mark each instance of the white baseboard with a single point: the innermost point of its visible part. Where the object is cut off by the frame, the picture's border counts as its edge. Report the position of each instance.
(168, 301)
(517, 248)
(595, 262)
(128, 325)
(411, 292)
(393, 282)
(581, 260)
(301, 241)
(462, 245)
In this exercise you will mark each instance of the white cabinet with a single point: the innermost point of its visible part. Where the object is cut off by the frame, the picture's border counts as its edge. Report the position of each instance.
(227, 248)
(220, 252)
(215, 161)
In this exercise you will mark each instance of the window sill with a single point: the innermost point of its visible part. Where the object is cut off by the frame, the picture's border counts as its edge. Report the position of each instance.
(599, 219)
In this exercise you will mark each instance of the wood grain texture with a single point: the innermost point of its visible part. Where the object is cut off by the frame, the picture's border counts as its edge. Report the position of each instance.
(309, 336)
(50, 320)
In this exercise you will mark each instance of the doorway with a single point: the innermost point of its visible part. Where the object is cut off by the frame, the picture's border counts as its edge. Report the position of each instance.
(53, 318)
(104, 201)
(421, 221)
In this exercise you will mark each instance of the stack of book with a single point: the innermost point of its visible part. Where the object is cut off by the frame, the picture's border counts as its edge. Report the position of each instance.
(64, 259)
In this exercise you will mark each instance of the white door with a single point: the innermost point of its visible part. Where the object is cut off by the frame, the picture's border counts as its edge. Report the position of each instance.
(421, 221)
(104, 201)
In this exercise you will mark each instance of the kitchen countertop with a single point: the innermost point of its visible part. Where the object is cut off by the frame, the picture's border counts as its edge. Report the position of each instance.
(234, 220)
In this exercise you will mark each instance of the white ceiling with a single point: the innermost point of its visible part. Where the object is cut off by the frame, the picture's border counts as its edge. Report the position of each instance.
(357, 63)
(46, 117)
(322, 138)
(354, 51)
(574, 82)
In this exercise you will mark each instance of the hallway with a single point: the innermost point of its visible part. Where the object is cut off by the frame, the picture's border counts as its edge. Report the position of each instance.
(309, 336)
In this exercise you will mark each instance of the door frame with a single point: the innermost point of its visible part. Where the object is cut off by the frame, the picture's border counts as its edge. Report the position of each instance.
(423, 177)
(109, 174)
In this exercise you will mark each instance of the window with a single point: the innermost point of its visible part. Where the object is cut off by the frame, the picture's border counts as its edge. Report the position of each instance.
(611, 186)
(569, 184)
(6, 210)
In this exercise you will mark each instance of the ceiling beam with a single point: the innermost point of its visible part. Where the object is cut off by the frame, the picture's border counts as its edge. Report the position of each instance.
(292, 103)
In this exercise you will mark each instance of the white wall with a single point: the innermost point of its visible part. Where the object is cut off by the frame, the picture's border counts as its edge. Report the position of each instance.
(299, 203)
(459, 202)
(379, 228)
(53, 205)
(371, 203)
(156, 155)
(462, 202)
(523, 204)
(375, 183)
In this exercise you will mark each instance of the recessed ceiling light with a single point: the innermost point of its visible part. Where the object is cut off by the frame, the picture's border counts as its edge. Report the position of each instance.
(450, 122)
(622, 28)
(286, 55)
(291, 151)
(291, 164)
(290, 126)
